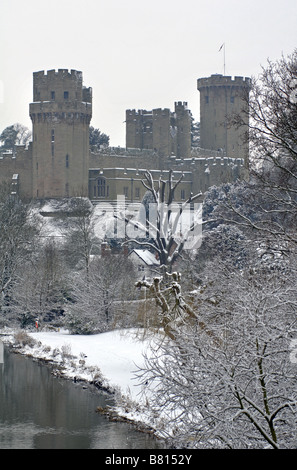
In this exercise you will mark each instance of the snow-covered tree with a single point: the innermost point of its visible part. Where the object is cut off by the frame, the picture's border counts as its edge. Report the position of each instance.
(96, 293)
(170, 225)
(272, 136)
(16, 238)
(42, 286)
(230, 384)
(81, 239)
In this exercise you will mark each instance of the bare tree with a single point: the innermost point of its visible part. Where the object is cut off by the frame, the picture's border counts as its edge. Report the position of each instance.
(42, 286)
(94, 296)
(272, 136)
(170, 225)
(16, 239)
(81, 237)
(17, 134)
(239, 392)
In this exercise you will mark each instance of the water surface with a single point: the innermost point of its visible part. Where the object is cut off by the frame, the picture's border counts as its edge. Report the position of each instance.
(41, 411)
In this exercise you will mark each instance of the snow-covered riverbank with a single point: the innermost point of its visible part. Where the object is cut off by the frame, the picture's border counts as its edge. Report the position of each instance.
(107, 359)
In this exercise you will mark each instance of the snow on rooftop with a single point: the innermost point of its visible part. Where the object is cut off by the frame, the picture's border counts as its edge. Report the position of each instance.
(146, 256)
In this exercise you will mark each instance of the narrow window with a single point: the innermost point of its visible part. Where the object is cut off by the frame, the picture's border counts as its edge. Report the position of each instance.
(206, 99)
(66, 95)
(67, 161)
(231, 99)
(52, 95)
(53, 142)
(126, 191)
(101, 187)
(137, 193)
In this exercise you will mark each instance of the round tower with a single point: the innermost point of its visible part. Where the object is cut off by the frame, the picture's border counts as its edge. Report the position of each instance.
(61, 113)
(220, 97)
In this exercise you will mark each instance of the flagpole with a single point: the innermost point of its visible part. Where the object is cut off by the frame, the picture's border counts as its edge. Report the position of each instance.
(223, 46)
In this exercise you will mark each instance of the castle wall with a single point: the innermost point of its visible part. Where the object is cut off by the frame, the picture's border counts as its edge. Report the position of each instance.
(108, 184)
(123, 158)
(20, 165)
(202, 170)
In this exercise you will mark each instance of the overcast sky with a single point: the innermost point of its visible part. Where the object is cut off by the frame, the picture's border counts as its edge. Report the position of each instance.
(135, 53)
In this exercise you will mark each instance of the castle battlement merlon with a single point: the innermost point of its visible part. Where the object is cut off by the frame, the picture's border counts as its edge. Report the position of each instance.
(61, 85)
(161, 112)
(223, 80)
(60, 73)
(138, 112)
(181, 105)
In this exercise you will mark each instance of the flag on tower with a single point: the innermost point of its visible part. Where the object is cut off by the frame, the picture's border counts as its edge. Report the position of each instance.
(221, 46)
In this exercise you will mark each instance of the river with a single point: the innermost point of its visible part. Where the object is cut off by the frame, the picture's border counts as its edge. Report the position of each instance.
(41, 411)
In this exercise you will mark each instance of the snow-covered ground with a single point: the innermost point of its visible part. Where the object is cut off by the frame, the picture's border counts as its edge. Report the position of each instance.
(117, 354)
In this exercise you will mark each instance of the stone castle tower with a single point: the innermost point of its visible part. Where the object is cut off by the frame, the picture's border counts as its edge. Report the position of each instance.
(166, 132)
(221, 96)
(61, 113)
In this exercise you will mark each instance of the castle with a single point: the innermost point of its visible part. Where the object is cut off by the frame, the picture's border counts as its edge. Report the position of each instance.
(58, 162)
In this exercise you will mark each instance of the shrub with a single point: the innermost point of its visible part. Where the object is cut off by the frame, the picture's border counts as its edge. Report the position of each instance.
(22, 338)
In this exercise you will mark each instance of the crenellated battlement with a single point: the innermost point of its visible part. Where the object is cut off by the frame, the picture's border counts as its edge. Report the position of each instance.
(218, 80)
(181, 105)
(58, 74)
(61, 86)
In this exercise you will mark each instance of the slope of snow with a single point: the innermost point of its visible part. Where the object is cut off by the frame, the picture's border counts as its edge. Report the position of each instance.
(116, 354)
(113, 357)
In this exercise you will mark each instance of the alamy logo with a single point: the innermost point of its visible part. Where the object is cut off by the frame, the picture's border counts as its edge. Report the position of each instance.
(180, 222)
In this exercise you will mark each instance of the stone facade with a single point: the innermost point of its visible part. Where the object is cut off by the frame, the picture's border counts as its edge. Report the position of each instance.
(58, 162)
(16, 169)
(200, 172)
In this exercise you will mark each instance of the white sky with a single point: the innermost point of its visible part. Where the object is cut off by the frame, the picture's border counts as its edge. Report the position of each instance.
(136, 54)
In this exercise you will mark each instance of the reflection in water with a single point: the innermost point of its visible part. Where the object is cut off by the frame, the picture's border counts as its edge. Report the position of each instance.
(40, 411)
